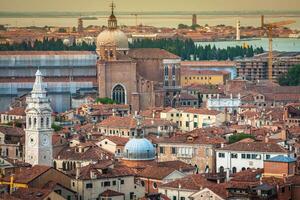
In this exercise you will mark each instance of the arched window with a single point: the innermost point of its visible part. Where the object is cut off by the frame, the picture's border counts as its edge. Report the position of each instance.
(118, 94)
(29, 122)
(234, 170)
(221, 169)
(42, 121)
(34, 121)
(243, 169)
(47, 122)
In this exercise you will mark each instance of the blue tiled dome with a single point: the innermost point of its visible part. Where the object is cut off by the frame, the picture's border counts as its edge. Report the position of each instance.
(139, 149)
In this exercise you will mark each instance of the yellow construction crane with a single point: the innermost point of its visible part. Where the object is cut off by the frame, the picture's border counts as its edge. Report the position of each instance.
(269, 27)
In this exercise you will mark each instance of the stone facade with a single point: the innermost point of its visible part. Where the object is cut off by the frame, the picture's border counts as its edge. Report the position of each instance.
(202, 156)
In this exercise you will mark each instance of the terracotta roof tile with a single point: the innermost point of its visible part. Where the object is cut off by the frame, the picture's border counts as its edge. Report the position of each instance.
(153, 53)
(28, 175)
(91, 152)
(255, 147)
(111, 193)
(12, 131)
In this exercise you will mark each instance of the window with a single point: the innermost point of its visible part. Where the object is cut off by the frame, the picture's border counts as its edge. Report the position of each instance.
(118, 94)
(106, 183)
(114, 183)
(234, 155)
(221, 155)
(174, 197)
(267, 157)
(173, 70)
(154, 185)
(187, 124)
(173, 150)
(282, 189)
(195, 125)
(243, 156)
(89, 185)
(248, 156)
(182, 198)
(161, 150)
(166, 70)
(122, 181)
(143, 183)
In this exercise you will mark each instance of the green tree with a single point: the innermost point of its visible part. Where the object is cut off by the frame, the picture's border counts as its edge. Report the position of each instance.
(239, 136)
(56, 127)
(183, 26)
(291, 78)
(105, 100)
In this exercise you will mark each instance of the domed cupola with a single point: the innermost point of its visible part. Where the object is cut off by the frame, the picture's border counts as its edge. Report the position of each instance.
(112, 39)
(139, 148)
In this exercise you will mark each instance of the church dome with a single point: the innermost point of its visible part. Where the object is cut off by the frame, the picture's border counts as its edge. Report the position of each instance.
(111, 37)
(139, 149)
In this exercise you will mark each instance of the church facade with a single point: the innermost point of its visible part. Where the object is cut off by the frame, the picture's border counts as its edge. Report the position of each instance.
(142, 78)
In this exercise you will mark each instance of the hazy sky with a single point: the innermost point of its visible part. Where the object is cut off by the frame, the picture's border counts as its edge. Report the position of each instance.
(148, 5)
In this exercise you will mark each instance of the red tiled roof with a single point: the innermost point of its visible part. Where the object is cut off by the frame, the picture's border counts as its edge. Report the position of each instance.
(120, 141)
(120, 122)
(208, 63)
(194, 139)
(104, 170)
(153, 53)
(255, 147)
(111, 193)
(91, 152)
(31, 193)
(197, 182)
(28, 175)
(12, 131)
(16, 111)
(201, 111)
(189, 72)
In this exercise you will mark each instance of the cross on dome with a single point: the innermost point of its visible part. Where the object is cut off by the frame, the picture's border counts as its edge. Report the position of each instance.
(113, 6)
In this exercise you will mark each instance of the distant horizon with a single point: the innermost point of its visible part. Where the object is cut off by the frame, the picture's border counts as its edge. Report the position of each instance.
(91, 13)
(146, 6)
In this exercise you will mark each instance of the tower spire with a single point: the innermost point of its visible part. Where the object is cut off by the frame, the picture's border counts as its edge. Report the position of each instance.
(38, 88)
(113, 6)
(112, 20)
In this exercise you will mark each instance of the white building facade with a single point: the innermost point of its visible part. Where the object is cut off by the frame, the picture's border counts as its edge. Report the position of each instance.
(224, 104)
(38, 132)
(236, 160)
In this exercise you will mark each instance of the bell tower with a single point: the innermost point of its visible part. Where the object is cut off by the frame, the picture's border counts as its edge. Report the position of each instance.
(38, 132)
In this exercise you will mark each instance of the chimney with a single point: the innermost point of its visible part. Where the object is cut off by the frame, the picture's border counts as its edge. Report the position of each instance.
(78, 166)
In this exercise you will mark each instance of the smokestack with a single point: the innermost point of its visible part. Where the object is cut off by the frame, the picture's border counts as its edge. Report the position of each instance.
(238, 34)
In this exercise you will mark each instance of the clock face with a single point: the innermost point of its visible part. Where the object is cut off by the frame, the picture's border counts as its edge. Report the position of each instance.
(45, 140)
(32, 140)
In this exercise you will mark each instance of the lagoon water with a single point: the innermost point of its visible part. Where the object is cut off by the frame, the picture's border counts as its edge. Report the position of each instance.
(151, 20)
